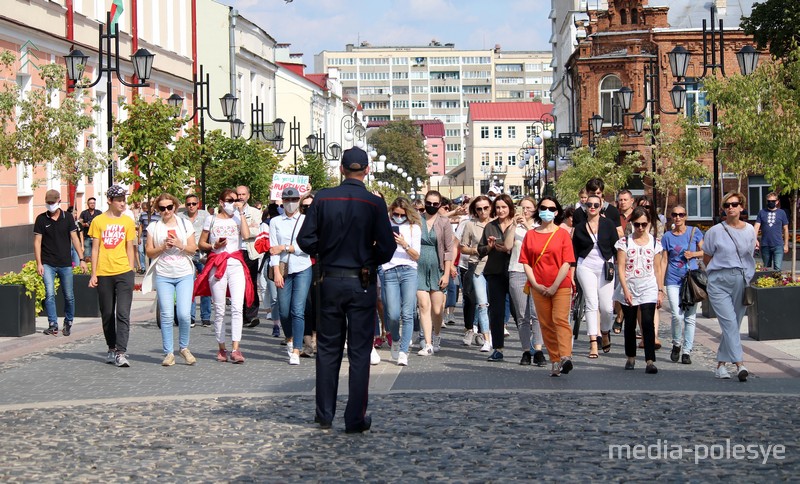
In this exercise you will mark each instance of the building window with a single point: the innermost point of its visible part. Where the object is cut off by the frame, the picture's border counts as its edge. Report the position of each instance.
(512, 132)
(498, 132)
(611, 112)
(623, 17)
(634, 16)
(696, 105)
(512, 159)
(453, 147)
(484, 158)
(756, 194)
(484, 132)
(528, 132)
(498, 159)
(698, 201)
(457, 132)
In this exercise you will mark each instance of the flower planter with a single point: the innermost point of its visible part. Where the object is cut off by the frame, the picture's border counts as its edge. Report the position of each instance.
(773, 315)
(87, 304)
(19, 316)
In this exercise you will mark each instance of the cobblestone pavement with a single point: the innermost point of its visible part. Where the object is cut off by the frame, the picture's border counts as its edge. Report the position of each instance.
(68, 416)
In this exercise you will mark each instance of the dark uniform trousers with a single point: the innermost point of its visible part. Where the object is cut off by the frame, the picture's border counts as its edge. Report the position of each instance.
(348, 310)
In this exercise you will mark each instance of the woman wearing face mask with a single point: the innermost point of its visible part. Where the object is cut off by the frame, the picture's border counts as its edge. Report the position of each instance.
(476, 298)
(496, 245)
(437, 251)
(530, 335)
(400, 278)
(224, 273)
(292, 287)
(312, 307)
(547, 256)
(170, 243)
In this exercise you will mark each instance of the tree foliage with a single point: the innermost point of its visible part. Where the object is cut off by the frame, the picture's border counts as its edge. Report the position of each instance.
(317, 171)
(234, 162)
(36, 128)
(774, 23)
(402, 144)
(616, 170)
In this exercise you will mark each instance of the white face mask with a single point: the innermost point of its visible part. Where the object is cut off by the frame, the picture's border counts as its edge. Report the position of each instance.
(228, 207)
(291, 207)
(52, 207)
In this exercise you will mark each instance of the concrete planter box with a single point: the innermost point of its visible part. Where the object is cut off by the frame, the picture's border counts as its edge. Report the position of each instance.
(774, 313)
(19, 315)
(86, 301)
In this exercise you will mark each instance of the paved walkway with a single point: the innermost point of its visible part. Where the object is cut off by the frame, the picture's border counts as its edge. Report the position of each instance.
(451, 417)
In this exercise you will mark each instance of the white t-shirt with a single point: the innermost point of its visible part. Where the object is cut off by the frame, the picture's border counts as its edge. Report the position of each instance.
(413, 236)
(640, 270)
(173, 262)
(227, 228)
(594, 259)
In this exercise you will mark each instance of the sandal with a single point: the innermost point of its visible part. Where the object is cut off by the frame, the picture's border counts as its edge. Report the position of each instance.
(617, 328)
(606, 342)
(658, 344)
(593, 349)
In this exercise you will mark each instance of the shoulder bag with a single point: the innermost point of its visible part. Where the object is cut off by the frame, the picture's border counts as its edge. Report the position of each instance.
(608, 265)
(747, 296)
(693, 288)
(283, 266)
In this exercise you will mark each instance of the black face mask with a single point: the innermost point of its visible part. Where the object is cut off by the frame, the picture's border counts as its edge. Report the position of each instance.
(771, 204)
(431, 210)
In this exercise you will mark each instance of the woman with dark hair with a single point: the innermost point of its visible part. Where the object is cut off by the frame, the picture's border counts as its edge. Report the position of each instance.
(641, 286)
(496, 245)
(656, 229)
(547, 256)
(476, 299)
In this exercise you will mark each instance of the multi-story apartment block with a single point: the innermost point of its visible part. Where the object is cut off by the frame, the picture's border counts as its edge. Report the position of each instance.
(436, 82)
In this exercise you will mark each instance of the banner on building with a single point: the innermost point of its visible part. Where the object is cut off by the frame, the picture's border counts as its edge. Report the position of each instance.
(281, 181)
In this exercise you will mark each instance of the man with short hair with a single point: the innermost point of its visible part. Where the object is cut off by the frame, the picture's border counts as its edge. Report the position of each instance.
(596, 186)
(197, 217)
(251, 257)
(113, 274)
(774, 225)
(85, 220)
(54, 233)
(625, 207)
(347, 229)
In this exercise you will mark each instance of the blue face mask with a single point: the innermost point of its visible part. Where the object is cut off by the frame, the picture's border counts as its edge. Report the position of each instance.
(547, 215)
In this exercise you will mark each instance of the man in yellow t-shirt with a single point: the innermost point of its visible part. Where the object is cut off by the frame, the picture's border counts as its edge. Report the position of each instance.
(113, 237)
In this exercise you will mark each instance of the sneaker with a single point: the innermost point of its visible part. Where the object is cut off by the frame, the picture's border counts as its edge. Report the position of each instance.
(121, 360)
(294, 359)
(253, 323)
(722, 373)
(495, 356)
(437, 343)
(169, 360)
(52, 330)
(222, 356)
(289, 348)
(374, 357)
(686, 359)
(188, 356)
(389, 341)
(426, 350)
(395, 350)
(538, 358)
(675, 353)
(566, 366)
(276, 330)
(630, 365)
(479, 340)
(651, 369)
(237, 356)
(67, 329)
(193, 323)
(402, 359)
(451, 323)
(555, 370)
(205, 323)
(111, 357)
(505, 331)
(526, 358)
(377, 342)
(487, 347)
(285, 341)
(742, 373)
(468, 336)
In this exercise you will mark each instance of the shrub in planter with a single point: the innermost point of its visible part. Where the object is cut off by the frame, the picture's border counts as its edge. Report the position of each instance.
(21, 296)
(774, 312)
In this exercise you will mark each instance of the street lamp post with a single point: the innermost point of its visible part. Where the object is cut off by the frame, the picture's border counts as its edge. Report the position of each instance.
(201, 97)
(142, 66)
(294, 139)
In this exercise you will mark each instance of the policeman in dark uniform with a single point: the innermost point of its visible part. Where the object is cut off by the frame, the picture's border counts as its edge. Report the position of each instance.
(348, 229)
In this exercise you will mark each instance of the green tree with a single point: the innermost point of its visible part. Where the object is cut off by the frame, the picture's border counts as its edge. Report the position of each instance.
(402, 144)
(774, 23)
(607, 162)
(761, 122)
(316, 169)
(24, 120)
(235, 162)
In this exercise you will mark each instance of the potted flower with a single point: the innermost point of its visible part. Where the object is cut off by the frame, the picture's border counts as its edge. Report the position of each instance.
(21, 296)
(773, 314)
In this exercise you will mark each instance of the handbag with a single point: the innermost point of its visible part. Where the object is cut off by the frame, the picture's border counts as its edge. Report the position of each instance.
(282, 266)
(748, 298)
(694, 284)
(609, 271)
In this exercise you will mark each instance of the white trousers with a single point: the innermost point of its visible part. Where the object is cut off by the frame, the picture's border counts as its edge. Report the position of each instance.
(232, 280)
(599, 296)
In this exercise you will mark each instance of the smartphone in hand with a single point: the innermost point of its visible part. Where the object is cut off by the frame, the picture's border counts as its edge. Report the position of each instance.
(396, 229)
(171, 234)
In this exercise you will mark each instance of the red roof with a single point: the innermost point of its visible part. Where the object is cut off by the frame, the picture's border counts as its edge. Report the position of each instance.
(508, 111)
(319, 79)
(296, 68)
(430, 128)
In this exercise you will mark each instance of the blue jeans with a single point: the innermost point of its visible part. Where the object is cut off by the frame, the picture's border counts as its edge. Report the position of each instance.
(65, 276)
(682, 321)
(87, 247)
(76, 261)
(175, 292)
(140, 249)
(772, 257)
(400, 301)
(482, 301)
(452, 293)
(205, 301)
(292, 304)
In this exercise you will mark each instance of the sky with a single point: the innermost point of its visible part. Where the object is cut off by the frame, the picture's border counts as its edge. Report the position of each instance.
(312, 26)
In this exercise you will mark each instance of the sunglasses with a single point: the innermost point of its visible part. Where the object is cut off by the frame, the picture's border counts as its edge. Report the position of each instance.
(551, 209)
(645, 206)
(398, 214)
(730, 204)
(163, 208)
(421, 210)
(230, 200)
(640, 225)
(433, 204)
(191, 204)
(482, 209)
(594, 205)
(678, 215)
